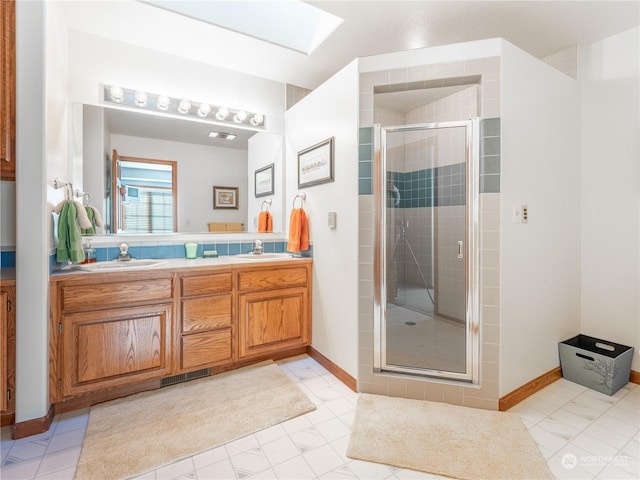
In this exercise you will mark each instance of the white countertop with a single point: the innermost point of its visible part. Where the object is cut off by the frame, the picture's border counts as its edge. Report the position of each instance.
(176, 263)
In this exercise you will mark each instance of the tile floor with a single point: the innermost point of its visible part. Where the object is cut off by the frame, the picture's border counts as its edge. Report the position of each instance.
(583, 435)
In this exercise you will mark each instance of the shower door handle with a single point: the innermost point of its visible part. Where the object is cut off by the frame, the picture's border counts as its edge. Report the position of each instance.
(460, 249)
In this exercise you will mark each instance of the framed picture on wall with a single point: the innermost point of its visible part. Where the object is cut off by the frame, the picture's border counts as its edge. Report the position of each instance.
(315, 164)
(264, 181)
(225, 197)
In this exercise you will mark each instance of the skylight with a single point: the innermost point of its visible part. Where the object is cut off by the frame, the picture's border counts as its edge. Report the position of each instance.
(291, 24)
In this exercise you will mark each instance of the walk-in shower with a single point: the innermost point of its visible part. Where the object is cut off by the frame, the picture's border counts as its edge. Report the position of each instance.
(425, 259)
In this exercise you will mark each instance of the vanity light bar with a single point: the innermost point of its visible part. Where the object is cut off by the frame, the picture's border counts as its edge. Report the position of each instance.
(181, 106)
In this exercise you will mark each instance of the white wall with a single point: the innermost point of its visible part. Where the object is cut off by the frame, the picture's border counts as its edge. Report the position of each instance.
(539, 261)
(610, 181)
(266, 149)
(331, 111)
(199, 168)
(41, 151)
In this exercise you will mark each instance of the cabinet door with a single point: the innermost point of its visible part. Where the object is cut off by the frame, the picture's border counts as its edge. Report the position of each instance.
(115, 347)
(7, 350)
(272, 321)
(4, 364)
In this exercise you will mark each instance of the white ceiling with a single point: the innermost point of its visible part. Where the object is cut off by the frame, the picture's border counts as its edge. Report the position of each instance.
(370, 27)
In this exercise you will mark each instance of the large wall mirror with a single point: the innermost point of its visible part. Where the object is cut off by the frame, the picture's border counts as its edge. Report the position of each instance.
(164, 160)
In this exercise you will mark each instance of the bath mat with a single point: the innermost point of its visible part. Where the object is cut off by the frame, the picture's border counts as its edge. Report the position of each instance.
(142, 432)
(441, 439)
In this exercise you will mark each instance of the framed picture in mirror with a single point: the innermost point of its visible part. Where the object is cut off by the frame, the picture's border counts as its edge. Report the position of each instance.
(264, 181)
(225, 197)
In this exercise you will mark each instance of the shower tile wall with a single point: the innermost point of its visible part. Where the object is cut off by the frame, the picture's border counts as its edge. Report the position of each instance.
(487, 105)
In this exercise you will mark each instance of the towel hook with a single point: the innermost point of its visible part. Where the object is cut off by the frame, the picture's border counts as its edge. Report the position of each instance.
(268, 202)
(302, 197)
(59, 184)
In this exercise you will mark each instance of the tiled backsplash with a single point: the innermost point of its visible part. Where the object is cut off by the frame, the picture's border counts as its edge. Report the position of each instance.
(176, 250)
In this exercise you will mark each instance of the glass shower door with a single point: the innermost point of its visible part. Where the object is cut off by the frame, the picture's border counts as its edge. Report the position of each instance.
(425, 231)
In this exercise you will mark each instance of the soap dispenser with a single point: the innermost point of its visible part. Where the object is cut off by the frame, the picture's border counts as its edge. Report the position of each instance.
(89, 252)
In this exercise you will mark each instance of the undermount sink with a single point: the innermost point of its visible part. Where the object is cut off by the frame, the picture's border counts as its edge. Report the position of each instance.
(263, 256)
(122, 265)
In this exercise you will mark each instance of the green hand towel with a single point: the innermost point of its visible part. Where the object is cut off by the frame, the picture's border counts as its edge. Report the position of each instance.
(69, 236)
(92, 218)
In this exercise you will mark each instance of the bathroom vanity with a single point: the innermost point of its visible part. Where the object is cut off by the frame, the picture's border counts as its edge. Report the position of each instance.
(119, 332)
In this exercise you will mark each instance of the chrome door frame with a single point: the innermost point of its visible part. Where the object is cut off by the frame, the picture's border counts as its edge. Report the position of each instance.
(472, 252)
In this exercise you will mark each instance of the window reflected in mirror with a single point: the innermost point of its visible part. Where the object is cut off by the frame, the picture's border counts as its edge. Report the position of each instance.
(146, 195)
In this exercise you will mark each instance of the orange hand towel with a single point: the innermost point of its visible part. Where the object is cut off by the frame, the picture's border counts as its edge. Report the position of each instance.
(298, 231)
(265, 222)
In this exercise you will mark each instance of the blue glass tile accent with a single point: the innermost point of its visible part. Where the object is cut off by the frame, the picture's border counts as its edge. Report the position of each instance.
(365, 153)
(365, 186)
(366, 135)
(101, 254)
(177, 251)
(8, 258)
(164, 251)
(222, 248)
(365, 159)
(490, 127)
(490, 184)
(234, 249)
(365, 169)
(136, 252)
(490, 155)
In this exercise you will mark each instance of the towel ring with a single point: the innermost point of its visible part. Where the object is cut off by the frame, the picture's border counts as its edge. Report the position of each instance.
(268, 202)
(302, 197)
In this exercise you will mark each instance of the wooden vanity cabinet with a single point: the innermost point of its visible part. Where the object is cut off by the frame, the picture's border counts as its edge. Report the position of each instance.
(206, 312)
(111, 332)
(274, 310)
(117, 333)
(7, 351)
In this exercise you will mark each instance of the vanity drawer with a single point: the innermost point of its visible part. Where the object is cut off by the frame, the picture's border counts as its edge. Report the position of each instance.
(206, 284)
(101, 295)
(207, 348)
(251, 280)
(206, 313)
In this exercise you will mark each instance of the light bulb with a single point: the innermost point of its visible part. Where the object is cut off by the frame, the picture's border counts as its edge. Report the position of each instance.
(230, 136)
(117, 94)
(240, 116)
(163, 103)
(204, 110)
(257, 119)
(141, 99)
(184, 107)
(223, 113)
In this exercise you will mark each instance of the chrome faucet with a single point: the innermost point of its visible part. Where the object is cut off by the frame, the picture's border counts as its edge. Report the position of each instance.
(257, 247)
(124, 256)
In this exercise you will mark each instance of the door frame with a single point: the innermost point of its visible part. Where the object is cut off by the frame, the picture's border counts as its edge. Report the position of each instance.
(471, 249)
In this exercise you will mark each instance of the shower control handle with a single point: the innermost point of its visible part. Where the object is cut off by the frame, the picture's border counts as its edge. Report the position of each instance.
(460, 249)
